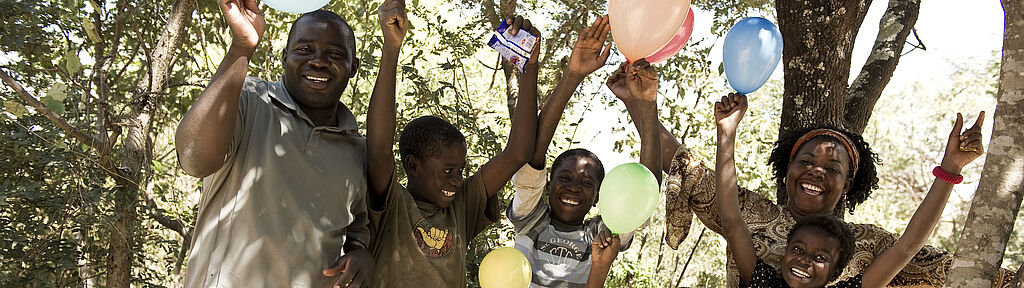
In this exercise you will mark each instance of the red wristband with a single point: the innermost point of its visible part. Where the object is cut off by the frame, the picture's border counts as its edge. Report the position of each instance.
(946, 176)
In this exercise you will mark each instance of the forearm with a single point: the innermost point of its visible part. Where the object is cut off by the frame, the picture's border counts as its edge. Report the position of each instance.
(725, 181)
(203, 137)
(523, 134)
(920, 227)
(598, 275)
(736, 233)
(669, 146)
(645, 118)
(380, 128)
(550, 115)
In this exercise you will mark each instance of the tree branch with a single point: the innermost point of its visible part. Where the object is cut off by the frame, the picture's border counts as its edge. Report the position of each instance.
(896, 24)
(49, 114)
(174, 224)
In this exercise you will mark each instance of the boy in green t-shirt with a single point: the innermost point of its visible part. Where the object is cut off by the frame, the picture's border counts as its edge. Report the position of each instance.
(420, 233)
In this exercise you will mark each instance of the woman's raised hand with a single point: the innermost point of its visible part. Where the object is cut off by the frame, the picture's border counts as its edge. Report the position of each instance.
(963, 147)
(642, 81)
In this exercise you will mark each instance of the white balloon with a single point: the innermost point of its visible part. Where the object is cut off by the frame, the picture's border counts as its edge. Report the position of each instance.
(296, 6)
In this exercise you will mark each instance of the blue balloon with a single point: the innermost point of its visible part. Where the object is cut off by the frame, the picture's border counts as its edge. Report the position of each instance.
(751, 51)
(296, 6)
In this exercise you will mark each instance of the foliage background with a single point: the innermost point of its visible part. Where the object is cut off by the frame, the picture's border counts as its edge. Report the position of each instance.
(55, 197)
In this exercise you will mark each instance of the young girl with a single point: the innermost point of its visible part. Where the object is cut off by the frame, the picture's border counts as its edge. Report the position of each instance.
(818, 247)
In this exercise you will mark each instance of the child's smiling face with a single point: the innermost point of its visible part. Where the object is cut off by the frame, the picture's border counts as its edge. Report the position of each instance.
(437, 179)
(810, 258)
(573, 189)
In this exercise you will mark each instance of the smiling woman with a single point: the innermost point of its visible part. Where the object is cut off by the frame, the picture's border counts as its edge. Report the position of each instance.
(818, 171)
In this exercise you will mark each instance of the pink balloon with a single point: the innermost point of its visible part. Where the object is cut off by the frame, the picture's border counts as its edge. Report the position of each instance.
(678, 41)
(642, 27)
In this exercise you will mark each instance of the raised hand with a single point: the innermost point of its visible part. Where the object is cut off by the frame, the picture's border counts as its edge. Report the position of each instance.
(394, 23)
(617, 83)
(729, 111)
(642, 81)
(246, 22)
(587, 55)
(605, 250)
(962, 148)
(516, 23)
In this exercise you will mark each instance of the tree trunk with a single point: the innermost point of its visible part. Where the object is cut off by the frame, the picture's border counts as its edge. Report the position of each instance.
(818, 37)
(989, 223)
(818, 41)
(136, 152)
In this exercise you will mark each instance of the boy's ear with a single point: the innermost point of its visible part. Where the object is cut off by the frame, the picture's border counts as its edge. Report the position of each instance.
(411, 164)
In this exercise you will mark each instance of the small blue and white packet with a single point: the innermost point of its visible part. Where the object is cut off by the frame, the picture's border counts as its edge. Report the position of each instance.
(514, 48)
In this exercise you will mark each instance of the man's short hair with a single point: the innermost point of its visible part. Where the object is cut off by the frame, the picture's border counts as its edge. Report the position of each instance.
(328, 16)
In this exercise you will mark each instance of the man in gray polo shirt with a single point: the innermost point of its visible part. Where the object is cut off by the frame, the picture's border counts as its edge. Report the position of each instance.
(283, 164)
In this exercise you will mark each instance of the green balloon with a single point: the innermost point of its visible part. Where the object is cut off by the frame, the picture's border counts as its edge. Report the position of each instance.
(629, 194)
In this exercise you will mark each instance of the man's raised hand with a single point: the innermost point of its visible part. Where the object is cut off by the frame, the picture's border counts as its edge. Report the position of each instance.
(246, 22)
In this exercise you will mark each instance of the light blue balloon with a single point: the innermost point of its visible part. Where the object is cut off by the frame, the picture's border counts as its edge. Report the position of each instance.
(751, 51)
(296, 6)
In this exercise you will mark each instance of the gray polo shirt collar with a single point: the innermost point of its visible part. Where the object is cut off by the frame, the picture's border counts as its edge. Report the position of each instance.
(346, 121)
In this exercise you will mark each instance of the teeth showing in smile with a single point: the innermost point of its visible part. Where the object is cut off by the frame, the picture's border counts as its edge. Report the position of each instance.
(811, 189)
(316, 79)
(448, 193)
(800, 273)
(569, 201)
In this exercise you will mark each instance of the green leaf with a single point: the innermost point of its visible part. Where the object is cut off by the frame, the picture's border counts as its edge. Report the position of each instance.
(57, 92)
(15, 108)
(54, 105)
(72, 64)
(90, 29)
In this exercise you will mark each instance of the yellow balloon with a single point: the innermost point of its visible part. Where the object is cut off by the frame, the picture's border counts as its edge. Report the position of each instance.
(642, 27)
(505, 267)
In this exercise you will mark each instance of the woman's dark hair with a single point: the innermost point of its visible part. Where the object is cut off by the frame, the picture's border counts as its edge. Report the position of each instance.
(865, 179)
(579, 152)
(836, 229)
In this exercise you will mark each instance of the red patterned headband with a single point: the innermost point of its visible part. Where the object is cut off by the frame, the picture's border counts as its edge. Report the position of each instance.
(852, 150)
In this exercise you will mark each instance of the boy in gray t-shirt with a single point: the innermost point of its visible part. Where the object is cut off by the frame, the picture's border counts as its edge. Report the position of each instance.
(564, 248)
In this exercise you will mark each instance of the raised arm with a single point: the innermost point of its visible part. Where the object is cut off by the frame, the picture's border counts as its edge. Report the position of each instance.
(587, 56)
(961, 149)
(380, 118)
(728, 113)
(203, 137)
(523, 135)
(636, 85)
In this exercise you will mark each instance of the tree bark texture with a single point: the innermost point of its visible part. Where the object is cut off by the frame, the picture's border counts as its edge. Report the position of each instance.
(136, 151)
(818, 37)
(981, 246)
(893, 30)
